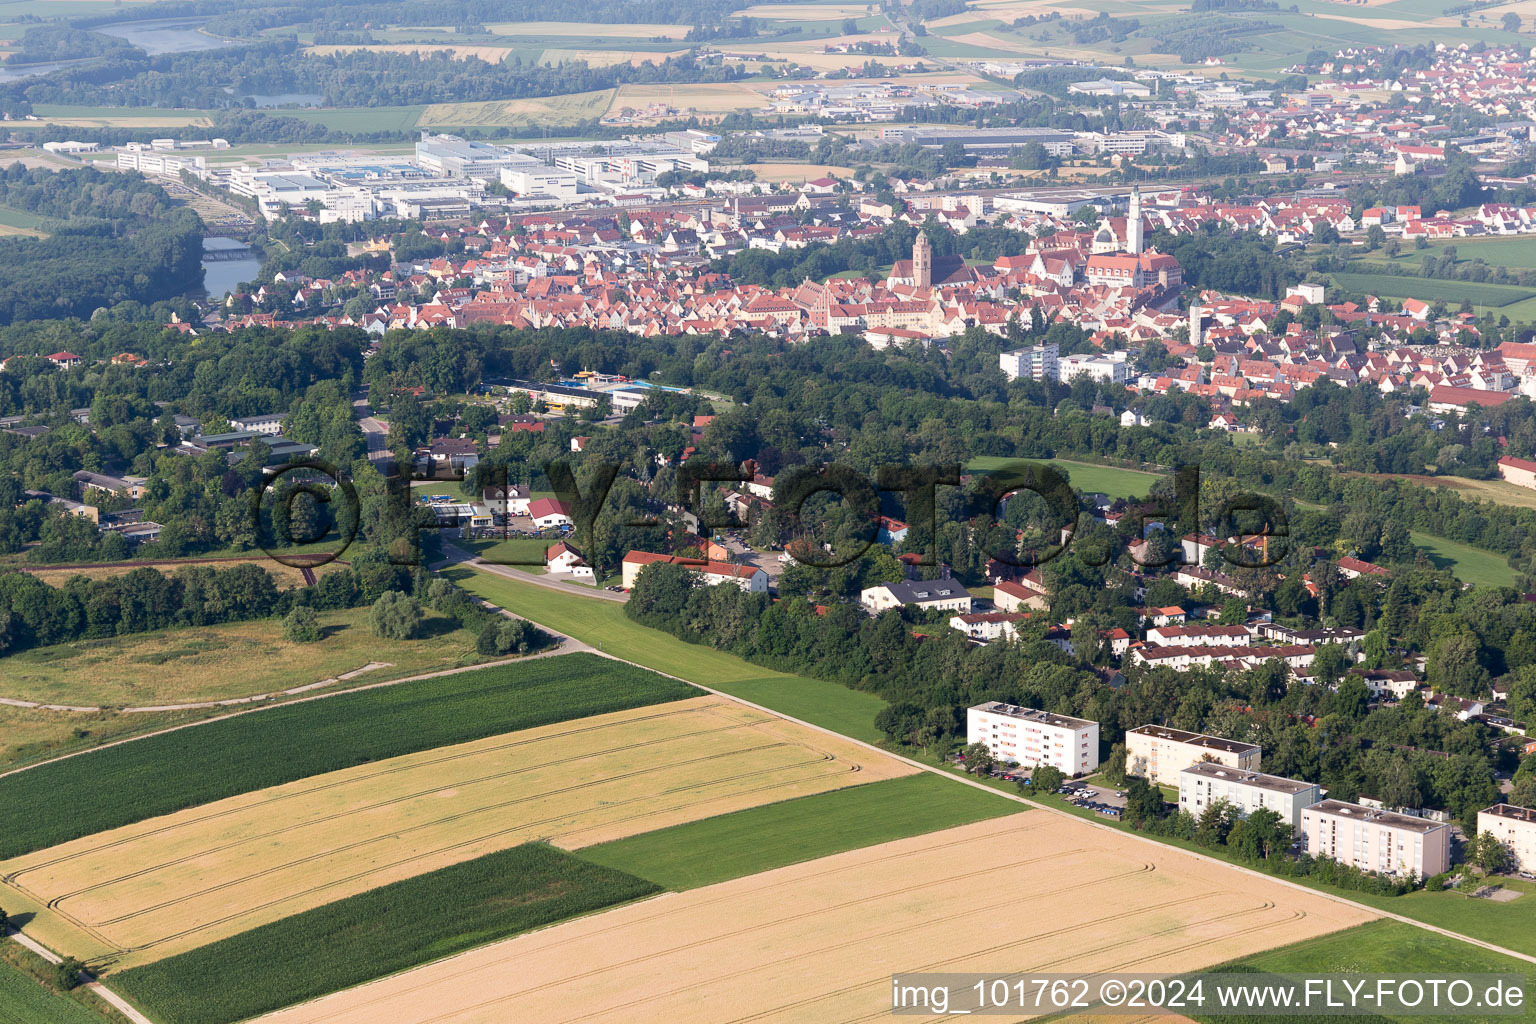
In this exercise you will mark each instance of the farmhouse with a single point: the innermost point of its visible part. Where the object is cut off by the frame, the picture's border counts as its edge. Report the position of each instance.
(1159, 753)
(1206, 782)
(1030, 737)
(1375, 840)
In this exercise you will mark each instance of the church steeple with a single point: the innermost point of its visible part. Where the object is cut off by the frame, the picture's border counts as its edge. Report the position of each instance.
(922, 262)
(1133, 239)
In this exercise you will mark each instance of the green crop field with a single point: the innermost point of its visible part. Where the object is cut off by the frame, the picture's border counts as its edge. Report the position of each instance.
(1380, 947)
(1471, 565)
(1430, 289)
(359, 119)
(1085, 476)
(762, 838)
(604, 625)
(1516, 252)
(376, 933)
(24, 1001)
(164, 773)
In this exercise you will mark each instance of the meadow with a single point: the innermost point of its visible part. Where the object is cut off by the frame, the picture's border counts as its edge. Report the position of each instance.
(1378, 947)
(374, 934)
(1431, 289)
(1515, 252)
(1471, 565)
(179, 666)
(567, 109)
(604, 625)
(164, 773)
(1087, 477)
(774, 835)
(160, 887)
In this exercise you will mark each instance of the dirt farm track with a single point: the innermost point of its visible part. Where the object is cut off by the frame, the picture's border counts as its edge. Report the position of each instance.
(158, 887)
(820, 940)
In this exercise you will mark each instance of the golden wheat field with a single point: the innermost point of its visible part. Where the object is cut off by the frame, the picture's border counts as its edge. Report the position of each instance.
(159, 887)
(819, 941)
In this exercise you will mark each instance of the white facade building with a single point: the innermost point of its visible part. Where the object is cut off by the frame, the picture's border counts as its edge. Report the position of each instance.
(1159, 754)
(1206, 783)
(1030, 737)
(1375, 840)
(1515, 827)
(1106, 368)
(1038, 362)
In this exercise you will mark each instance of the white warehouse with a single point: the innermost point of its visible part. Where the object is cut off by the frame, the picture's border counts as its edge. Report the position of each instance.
(1030, 737)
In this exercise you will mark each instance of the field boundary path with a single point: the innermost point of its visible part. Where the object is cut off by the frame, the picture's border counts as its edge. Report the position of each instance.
(461, 557)
(116, 1001)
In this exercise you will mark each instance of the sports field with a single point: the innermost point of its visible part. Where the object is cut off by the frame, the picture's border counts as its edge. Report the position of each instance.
(604, 625)
(820, 940)
(159, 887)
(165, 773)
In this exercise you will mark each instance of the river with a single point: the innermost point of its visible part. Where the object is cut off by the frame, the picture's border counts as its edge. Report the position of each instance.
(165, 35)
(220, 277)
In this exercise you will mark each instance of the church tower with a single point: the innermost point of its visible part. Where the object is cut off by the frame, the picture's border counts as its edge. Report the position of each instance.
(922, 262)
(1133, 239)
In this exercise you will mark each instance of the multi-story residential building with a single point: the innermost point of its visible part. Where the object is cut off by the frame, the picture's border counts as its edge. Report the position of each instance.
(1159, 753)
(1110, 368)
(1206, 783)
(1375, 840)
(1515, 827)
(1037, 362)
(1030, 737)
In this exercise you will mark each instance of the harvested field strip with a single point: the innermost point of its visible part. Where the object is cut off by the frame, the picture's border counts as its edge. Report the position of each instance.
(155, 888)
(162, 774)
(819, 940)
(376, 933)
(762, 838)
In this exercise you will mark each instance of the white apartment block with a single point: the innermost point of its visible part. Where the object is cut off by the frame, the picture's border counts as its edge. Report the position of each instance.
(1038, 362)
(1375, 840)
(1206, 783)
(1030, 737)
(1108, 368)
(1159, 754)
(1515, 827)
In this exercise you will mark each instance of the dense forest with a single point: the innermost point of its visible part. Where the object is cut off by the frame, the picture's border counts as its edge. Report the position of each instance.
(212, 79)
(111, 238)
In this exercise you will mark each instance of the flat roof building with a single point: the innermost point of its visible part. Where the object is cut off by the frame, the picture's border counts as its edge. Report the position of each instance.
(1515, 827)
(1206, 782)
(1029, 737)
(1159, 754)
(1375, 840)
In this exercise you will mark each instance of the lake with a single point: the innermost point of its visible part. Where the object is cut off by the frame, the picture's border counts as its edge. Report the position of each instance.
(165, 35)
(222, 276)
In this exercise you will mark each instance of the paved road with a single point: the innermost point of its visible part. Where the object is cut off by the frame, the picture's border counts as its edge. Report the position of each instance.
(457, 555)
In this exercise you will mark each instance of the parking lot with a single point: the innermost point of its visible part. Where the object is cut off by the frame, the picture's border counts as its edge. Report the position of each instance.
(1103, 800)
